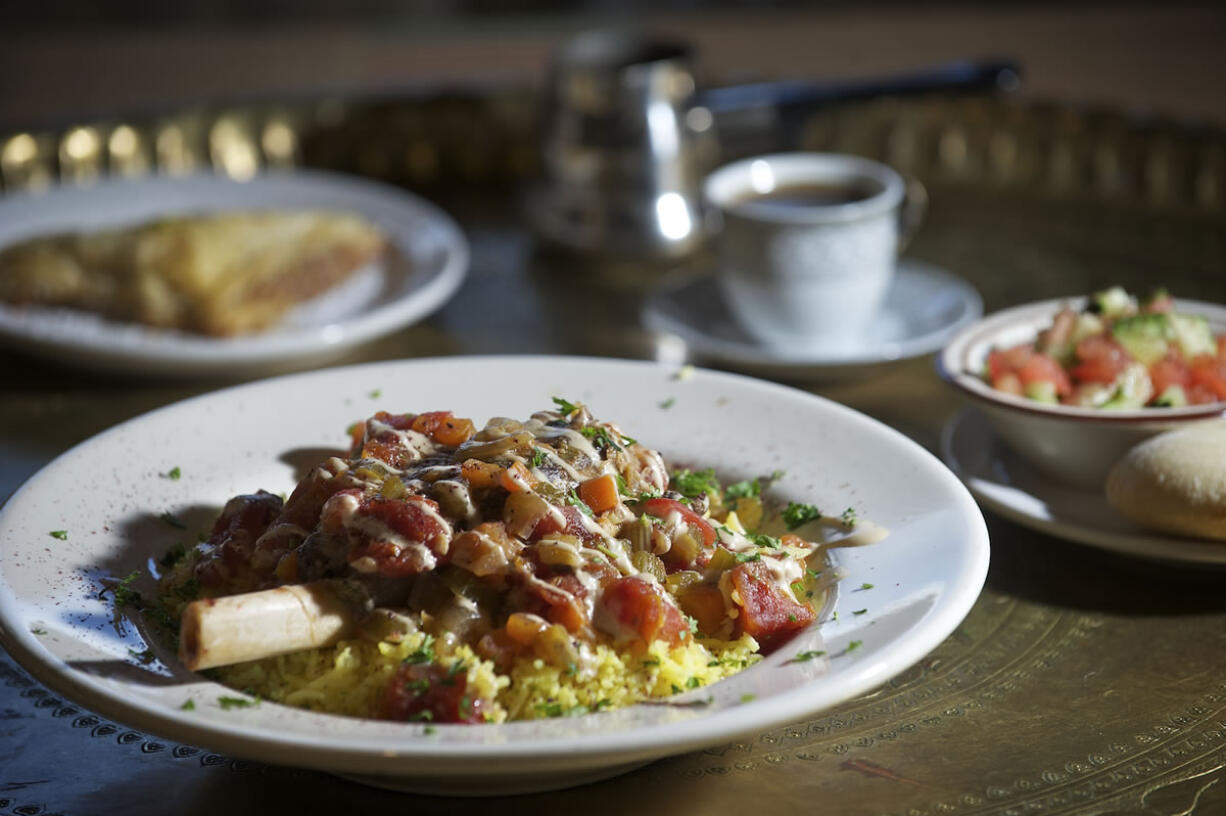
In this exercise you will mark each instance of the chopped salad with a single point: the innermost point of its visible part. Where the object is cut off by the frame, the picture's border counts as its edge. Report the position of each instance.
(1119, 352)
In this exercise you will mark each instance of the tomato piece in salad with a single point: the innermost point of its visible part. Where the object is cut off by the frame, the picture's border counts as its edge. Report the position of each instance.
(1101, 360)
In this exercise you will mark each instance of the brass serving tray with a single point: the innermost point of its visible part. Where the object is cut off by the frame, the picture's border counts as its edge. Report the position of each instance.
(1082, 682)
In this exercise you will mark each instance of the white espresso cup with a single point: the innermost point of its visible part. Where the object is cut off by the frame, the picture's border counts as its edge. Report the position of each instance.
(807, 244)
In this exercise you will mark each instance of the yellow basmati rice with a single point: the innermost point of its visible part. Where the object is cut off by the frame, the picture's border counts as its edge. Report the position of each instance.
(350, 677)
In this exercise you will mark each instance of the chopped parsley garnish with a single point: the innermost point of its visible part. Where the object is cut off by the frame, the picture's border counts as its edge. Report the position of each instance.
(539, 457)
(173, 556)
(668, 403)
(803, 657)
(750, 488)
(122, 592)
(452, 672)
(849, 517)
(676, 688)
(743, 558)
(565, 407)
(791, 617)
(796, 514)
(144, 656)
(855, 644)
(859, 611)
(651, 661)
(552, 709)
(429, 729)
(425, 715)
(692, 484)
(572, 498)
(603, 440)
(418, 687)
(38, 630)
(864, 586)
(174, 474)
(693, 624)
(375, 394)
(465, 706)
(188, 705)
(189, 590)
(748, 698)
(692, 683)
(814, 574)
(765, 541)
(228, 703)
(423, 654)
(62, 535)
(172, 520)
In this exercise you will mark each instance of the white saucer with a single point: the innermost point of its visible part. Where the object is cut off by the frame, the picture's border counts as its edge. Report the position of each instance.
(1002, 482)
(925, 306)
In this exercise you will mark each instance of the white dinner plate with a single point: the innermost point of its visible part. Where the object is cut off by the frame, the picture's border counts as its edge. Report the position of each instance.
(109, 495)
(925, 306)
(427, 262)
(1003, 482)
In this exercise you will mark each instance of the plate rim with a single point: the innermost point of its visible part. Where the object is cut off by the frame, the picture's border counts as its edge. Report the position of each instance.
(1142, 544)
(562, 753)
(176, 354)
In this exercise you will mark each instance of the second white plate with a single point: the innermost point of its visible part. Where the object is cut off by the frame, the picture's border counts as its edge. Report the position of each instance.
(427, 263)
(1002, 482)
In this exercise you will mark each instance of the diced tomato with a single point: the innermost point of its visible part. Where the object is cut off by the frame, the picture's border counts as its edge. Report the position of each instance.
(1170, 370)
(430, 693)
(767, 612)
(401, 422)
(1200, 395)
(562, 597)
(1210, 373)
(1041, 368)
(663, 508)
(1221, 345)
(642, 611)
(1003, 361)
(416, 519)
(1102, 360)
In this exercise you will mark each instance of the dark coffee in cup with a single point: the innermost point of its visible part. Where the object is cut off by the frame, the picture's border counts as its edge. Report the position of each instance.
(809, 195)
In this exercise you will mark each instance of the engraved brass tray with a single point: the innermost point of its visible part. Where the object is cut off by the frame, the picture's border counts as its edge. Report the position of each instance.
(1081, 683)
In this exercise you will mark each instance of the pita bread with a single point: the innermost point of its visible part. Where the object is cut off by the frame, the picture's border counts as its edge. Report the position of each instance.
(1175, 482)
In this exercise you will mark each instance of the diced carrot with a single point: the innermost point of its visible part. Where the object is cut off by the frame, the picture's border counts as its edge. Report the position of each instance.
(480, 474)
(517, 478)
(454, 431)
(523, 627)
(444, 428)
(600, 493)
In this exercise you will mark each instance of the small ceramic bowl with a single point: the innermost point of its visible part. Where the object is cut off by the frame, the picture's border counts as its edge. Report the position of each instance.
(1077, 446)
